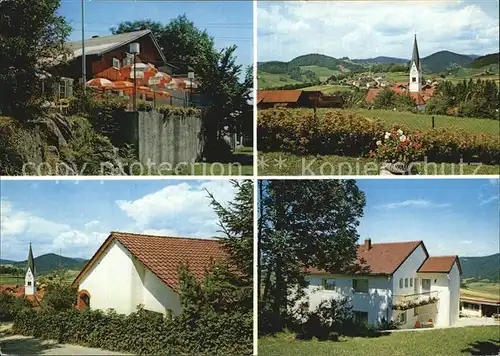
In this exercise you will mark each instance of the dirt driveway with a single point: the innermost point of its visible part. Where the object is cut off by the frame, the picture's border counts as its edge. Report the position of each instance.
(23, 345)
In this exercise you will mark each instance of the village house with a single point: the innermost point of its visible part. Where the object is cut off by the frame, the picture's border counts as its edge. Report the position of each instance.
(131, 269)
(400, 282)
(479, 307)
(267, 99)
(110, 66)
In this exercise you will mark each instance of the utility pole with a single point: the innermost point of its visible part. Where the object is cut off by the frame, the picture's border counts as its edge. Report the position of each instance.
(84, 64)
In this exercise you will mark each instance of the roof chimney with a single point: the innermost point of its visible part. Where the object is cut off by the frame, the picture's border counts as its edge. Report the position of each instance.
(368, 244)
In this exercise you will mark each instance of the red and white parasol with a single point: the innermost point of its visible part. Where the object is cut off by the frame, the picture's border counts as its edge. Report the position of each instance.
(99, 83)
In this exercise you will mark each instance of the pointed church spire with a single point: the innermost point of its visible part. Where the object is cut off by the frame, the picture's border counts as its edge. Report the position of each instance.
(415, 56)
(31, 260)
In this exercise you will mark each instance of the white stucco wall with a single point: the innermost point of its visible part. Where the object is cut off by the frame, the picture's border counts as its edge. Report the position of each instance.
(414, 73)
(454, 294)
(29, 277)
(376, 302)
(440, 285)
(119, 281)
(408, 269)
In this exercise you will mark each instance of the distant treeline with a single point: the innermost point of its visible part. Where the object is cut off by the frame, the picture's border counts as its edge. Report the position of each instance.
(11, 270)
(470, 98)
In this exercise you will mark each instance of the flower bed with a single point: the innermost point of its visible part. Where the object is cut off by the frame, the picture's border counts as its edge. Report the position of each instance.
(346, 133)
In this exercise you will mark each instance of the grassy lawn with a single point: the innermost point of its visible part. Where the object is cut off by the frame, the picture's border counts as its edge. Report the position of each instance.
(420, 122)
(481, 289)
(397, 76)
(478, 340)
(284, 163)
(323, 73)
(270, 80)
(423, 122)
(326, 89)
(9, 279)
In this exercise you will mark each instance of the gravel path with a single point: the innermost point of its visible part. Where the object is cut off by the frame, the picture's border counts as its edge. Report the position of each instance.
(23, 345)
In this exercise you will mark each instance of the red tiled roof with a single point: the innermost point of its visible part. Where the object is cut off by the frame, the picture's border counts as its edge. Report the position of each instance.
(16, 289)
(163, 255)
(278, 96)
(372, 93)
(383, 258)
(440, 264)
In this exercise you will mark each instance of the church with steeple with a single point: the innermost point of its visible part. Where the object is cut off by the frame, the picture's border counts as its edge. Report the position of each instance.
(30, 276)
(416, 86)
(416, 76)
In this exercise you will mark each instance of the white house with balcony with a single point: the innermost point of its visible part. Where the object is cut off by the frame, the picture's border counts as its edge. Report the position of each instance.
(400, 282)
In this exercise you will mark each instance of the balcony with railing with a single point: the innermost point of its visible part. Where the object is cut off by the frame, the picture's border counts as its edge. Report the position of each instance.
(410, 301)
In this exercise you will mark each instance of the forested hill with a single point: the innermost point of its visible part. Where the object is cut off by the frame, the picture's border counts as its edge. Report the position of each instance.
(485, 267)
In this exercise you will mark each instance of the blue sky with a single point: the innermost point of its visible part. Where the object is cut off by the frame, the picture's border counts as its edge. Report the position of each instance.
(229, 22)
(360, 29)
(73, 218)
(451, 216)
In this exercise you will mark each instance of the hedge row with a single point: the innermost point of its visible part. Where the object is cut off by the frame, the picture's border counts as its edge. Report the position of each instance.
(142, 332)
(349, 134)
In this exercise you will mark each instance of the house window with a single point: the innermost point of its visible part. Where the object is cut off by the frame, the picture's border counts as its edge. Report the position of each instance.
(411, 282)
(129, 59)
(413, 79)
(406, 282)
(64, 88)
(328, 283)
(471, 306)
(116, 63)
(401, 283)
(360, 285)
(29, 283)
(360, 317)
(426, 285)
(402, 317)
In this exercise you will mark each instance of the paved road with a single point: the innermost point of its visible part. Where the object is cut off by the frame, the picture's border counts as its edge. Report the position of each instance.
(23, 345)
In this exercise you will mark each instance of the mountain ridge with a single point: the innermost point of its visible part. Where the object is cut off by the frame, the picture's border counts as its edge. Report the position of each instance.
(49, 262)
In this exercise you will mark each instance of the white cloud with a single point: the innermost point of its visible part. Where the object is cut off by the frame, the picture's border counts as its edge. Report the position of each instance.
(413, 204)
(92, 223)
(488, 200)
(184, 204)
(466, 242)
(369, 29)
(18, 227)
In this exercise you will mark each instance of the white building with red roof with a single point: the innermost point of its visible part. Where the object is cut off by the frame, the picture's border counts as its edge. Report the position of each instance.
(400, 282)
(131, 269)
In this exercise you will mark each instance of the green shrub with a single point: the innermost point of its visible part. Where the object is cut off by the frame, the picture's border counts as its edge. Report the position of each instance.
(338, 132)
(344, 133)
(216, 319)
(11, 306)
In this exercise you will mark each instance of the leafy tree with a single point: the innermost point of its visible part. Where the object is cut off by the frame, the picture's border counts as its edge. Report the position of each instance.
(305, 223)
(217, 73)
(386, 99)
(29, 45)
(59, 293)
(236, 222)
(405, 102)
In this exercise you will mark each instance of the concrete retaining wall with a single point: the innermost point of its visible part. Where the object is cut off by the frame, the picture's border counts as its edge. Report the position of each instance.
(172, 139)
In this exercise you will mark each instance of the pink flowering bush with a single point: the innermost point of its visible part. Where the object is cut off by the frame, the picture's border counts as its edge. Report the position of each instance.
(399, 146)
